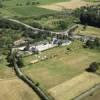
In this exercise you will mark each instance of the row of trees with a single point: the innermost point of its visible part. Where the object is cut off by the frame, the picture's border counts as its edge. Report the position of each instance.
(10, 58)
(28, 3)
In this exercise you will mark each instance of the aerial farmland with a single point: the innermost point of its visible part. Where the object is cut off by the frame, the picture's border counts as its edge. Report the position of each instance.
(49, 49)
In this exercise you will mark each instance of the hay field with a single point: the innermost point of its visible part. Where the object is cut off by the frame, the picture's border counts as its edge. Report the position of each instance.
(75, 86)
(73, 4)
(15, 89)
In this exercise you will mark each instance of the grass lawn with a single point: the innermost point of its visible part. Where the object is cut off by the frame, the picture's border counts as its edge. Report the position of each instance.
(66, 65)
(89, 31)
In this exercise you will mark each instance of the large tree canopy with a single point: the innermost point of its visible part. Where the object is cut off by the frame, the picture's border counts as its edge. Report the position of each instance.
(90, 16)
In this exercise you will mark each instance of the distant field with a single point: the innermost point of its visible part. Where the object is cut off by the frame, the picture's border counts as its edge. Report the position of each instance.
(66, 65)
(92, 0)
(23, 2)
(89, 31)
(31, 11)
(25, 11)
(11, 8)
(15, 89)
(20, 8)
(73, 4)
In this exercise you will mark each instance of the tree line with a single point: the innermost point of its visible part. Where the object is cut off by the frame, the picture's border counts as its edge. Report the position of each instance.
(90, 16)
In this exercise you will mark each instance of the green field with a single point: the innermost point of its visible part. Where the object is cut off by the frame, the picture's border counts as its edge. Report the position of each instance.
(89, 31)
(20, 8)
(92, 1)
(31, 11)
(24, 11)
(66, 64)
(23, 2)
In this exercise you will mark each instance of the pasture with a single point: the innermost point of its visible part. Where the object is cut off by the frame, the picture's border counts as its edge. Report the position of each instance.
(19, 8)
(74, 87)
(22, 8)
(23, 2)
(88, 30)
(95, 95)
(15, 89)
(24, 11)
(62, 67)
(73, 4)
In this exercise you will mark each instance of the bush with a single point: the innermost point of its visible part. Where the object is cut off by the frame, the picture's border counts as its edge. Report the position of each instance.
(94, 66)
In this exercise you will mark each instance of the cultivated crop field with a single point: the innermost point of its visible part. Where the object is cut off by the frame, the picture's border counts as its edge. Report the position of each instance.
(88, 31)
(64, 66)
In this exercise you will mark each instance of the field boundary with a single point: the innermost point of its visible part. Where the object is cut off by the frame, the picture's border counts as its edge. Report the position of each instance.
(87, 92)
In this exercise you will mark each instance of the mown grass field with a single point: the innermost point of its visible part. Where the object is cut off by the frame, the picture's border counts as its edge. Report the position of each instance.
(89, 31)
(15, 89)
(94, 96)
(74, 87)
(66, 64)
